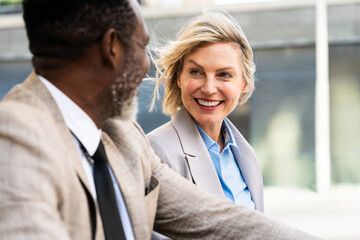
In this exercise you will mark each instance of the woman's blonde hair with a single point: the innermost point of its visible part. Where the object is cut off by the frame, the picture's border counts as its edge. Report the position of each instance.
(209, 27)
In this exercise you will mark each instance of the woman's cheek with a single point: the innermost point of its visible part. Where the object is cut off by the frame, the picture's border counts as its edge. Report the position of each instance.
(191, 85)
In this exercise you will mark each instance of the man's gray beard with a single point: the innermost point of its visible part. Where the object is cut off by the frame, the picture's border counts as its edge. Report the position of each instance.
(121, 101)
(109, 105)
(124, 91)
(127, 110)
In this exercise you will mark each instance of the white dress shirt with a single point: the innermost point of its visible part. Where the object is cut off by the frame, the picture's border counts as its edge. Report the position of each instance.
(85, 131)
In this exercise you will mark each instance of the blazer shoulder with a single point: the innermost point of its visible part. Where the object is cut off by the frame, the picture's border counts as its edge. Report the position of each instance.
(164, 136)
(167, 145)
(162, 131)
(25, 111)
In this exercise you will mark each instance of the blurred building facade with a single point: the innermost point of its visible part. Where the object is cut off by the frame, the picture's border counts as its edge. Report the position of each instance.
(279, 120)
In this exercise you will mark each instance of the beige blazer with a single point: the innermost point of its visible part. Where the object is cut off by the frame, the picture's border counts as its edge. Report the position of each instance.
(179, 144)
(44, 193)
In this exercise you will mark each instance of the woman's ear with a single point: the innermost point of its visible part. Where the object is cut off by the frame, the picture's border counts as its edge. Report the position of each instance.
(244, 88)
(178, 80)
(112, 50)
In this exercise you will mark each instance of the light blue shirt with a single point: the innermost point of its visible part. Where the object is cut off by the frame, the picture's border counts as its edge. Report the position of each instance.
(85, 131)
(232, 182)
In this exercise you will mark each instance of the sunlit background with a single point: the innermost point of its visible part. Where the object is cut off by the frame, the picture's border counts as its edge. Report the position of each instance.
(280, 119)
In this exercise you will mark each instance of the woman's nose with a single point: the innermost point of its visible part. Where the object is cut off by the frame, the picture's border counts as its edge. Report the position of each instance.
(209, 86)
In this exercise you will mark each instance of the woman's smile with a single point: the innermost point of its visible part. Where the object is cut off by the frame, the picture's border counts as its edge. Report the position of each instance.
(211, 83)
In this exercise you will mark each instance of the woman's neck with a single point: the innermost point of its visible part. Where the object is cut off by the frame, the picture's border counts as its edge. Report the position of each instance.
(214, 132)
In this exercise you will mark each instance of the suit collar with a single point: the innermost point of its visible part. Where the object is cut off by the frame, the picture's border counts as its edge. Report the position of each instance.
(34, 85)
(225, 132)
(248, 165)
(191, 140)
(201, 167)
(200, 163)
(125, 163)
(80, 124)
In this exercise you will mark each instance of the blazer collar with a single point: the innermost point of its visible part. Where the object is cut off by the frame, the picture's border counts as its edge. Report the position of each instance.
(124, 159)
(34, 84)
(191, 140)
(244, 159)
(249, 167)
(200, 164)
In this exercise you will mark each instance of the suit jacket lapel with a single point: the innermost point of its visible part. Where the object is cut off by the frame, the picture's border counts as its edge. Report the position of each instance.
(200, 163)
(124, 165)
(247, 165)
(34, 84)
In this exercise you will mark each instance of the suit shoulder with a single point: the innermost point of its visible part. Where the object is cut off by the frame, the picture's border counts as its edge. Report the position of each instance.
(126, 132)
(18, 114)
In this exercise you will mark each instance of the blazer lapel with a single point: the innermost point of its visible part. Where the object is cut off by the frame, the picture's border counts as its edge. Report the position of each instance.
(248, 166)
(34, 84)
(197, 156)
(123, 167)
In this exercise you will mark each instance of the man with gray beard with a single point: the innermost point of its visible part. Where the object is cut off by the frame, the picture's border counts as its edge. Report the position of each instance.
(74, 164)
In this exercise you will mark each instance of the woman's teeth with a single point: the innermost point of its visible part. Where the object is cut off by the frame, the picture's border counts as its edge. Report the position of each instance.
(208, 103)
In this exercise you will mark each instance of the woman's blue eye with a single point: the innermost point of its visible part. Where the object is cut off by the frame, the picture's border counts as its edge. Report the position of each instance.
(194, 72)
(224, 75)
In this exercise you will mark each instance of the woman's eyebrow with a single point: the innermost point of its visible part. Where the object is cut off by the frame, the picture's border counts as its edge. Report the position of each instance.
(202, 68)
(198, 65)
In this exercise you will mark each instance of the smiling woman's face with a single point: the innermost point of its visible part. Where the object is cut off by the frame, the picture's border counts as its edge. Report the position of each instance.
(211, 83)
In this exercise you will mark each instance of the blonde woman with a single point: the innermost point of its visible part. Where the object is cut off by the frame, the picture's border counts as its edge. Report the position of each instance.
(208, 70)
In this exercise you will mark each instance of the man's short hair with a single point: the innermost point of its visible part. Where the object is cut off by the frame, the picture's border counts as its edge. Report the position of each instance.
(61, 31)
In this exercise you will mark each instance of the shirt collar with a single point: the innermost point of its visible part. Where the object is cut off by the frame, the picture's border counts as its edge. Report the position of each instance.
(209, 142)
(80, 124)
(225, 131)
(228, 135)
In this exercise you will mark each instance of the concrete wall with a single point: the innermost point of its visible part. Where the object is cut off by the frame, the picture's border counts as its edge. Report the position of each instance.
(265, 25)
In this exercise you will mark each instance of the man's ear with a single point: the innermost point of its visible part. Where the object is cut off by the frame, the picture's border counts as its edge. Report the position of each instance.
(112, 50)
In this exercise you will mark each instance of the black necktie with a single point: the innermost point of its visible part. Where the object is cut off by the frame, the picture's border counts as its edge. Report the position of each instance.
(106, 196)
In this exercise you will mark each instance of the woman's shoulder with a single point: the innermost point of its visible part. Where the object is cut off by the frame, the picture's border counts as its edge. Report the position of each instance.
(163, 136)
(162, 131)
(166, 144)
